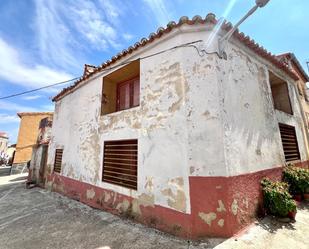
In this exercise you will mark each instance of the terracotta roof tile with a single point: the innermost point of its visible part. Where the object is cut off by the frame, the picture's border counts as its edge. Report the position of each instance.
(210, 19)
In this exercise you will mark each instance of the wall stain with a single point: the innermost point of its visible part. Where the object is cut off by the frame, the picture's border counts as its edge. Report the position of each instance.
(176, 200)
(207, 217)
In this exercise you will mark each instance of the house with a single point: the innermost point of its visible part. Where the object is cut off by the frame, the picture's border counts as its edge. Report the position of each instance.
(4, 139)
(11, 153)
(176, 137)
(27, 137)
(37, 172)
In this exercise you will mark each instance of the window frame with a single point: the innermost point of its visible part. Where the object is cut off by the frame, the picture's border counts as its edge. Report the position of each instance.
(131, 93)
(286, 85)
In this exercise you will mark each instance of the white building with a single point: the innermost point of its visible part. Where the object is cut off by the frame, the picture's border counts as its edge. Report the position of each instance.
(176, 138)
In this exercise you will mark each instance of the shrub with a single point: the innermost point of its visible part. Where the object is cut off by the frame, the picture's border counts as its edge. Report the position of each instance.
(297, 178)
(277, 199)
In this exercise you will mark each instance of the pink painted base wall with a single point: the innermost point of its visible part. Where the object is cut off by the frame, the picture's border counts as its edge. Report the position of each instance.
(220, 206)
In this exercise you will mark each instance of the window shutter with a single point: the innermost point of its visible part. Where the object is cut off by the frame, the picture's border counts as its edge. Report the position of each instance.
(124, 96)
(289, 142)
(58, 160)
(120, 163)
(136, 92)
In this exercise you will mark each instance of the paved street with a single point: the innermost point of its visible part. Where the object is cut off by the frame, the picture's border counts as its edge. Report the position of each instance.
(35, 218)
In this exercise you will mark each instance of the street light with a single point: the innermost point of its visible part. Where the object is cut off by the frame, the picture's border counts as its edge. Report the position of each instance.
(223, 40)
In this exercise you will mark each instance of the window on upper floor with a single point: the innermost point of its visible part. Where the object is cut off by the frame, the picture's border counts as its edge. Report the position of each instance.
(280, 93)
(121, 89)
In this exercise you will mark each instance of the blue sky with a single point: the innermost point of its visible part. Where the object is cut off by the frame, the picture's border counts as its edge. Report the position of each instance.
(47, 41)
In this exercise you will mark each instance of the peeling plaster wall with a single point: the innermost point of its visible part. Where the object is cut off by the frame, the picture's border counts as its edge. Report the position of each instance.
(252, 139)
(203, 125)
(159, 123)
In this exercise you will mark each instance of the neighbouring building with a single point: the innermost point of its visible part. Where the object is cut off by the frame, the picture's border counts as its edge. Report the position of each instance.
(175, 137)
(11, 153)
(27, 137)
(37, 170)
(4, 140)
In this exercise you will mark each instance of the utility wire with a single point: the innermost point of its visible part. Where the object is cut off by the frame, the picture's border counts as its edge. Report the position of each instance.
(38, 89)
(189, 44)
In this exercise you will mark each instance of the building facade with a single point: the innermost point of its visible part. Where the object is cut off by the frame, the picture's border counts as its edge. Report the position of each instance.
(177, 138)
(4, 140)
(27, 137)
(37, 170)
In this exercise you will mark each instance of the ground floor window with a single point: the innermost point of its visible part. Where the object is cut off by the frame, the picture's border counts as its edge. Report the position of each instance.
(289, 142)
(58, 160)
(120, 163)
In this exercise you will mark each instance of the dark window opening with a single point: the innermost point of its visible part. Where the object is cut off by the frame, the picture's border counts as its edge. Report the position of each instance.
(120, 163)
(58, 160)
(280, 93)
(289, 142)
(121, 89)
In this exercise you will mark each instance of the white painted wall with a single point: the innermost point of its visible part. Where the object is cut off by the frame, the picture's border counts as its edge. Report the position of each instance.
(198, 116)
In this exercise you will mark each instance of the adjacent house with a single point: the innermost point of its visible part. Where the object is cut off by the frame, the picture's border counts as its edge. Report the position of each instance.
(37, 170)
(4, 140)
(27, 137)
(175, 136)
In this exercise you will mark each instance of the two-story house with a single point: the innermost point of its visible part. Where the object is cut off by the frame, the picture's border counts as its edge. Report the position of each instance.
(176, 137)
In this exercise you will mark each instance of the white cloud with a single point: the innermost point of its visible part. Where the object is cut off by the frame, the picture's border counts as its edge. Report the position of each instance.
(55, 40)
(14, 70)
(87, 18)
(111, 11)
(127, 36)
(6, 118)
(32, 97)
(160, 11)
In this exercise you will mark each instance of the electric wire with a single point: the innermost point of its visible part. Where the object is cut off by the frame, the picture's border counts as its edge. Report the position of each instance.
(189, 44)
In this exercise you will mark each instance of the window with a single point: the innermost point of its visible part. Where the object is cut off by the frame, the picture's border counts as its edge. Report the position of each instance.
(120, 163)
(280, 93)
(121, 89)
(128, 94)
(58, 160)
(289, 142)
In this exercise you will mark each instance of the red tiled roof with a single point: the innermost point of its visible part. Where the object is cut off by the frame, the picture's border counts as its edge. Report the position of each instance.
(210, 19)
(290, 56)
(3, 134)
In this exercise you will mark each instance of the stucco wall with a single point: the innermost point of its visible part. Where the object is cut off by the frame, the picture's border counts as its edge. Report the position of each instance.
(198, 116)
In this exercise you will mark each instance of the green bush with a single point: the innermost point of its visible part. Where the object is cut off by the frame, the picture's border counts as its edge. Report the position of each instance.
(277, 199)
(297, 178)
